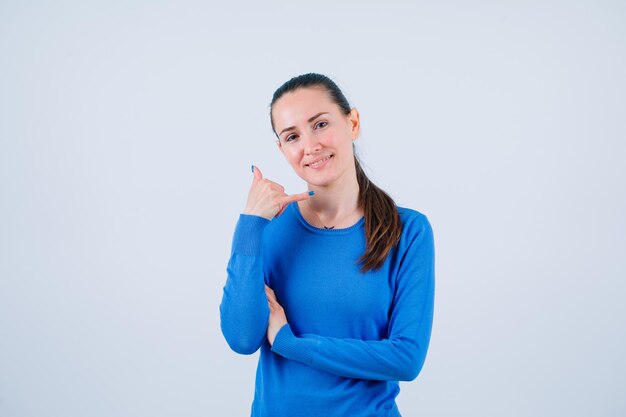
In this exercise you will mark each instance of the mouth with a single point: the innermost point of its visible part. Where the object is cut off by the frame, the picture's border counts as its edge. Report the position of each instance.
(320, 162)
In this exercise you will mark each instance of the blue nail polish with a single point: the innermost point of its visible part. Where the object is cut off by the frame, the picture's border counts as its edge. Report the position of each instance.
(311, 192)
(252, 168)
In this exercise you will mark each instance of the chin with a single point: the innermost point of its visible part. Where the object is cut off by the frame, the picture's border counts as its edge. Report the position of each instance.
(319, 179)
(318, 182)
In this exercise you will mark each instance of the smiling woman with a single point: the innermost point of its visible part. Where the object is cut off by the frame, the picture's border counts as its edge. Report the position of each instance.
(348, 314)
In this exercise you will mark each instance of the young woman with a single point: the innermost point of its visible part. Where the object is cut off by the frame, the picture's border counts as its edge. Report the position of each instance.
(335, 285)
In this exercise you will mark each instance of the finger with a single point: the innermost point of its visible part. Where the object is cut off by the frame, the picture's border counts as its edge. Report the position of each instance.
(270, 294)
(274, 307)
(275, 184)
(258, 175)
(295, 197)
(272, 299)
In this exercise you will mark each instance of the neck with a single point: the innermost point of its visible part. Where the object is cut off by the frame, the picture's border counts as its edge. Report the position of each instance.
(335, 202)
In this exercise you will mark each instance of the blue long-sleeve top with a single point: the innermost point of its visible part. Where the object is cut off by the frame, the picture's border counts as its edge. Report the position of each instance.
(351, 336)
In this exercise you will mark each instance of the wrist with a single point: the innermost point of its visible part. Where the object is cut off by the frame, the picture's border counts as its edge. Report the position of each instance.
(249, 213)
(290, 346)
(276, 334)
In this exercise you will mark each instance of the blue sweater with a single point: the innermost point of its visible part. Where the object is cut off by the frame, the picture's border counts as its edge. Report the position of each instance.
(350, 336)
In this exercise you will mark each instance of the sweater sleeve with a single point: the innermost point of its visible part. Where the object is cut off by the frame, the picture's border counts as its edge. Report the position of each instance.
(399, 357)
(244, 312)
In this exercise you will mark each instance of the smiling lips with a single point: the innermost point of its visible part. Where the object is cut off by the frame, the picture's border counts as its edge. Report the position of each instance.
(320, 162)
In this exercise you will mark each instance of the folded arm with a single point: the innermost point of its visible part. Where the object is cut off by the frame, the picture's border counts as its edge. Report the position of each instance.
(244, 312)
(399, 357)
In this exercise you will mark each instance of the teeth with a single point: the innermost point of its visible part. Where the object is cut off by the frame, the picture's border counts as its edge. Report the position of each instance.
(314, 164)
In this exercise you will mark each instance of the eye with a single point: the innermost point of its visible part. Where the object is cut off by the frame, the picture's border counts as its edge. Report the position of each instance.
(320, 123)
(288, 137)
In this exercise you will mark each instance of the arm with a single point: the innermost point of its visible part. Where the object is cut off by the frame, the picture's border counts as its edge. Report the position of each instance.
(401, 356)
(244, 312)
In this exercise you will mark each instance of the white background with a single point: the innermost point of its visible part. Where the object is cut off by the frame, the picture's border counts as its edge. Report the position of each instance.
(127, 131)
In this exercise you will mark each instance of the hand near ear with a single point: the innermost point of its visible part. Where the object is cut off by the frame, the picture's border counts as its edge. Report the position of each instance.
(277, 315)
(267, 198)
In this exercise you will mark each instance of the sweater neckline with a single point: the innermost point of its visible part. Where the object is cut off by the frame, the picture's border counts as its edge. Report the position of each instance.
(321, 231)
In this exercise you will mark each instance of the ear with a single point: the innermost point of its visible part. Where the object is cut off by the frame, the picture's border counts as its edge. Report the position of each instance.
(354, 123)
(280, 148)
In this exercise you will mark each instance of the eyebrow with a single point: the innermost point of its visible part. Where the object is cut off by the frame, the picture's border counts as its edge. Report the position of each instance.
(310, 120)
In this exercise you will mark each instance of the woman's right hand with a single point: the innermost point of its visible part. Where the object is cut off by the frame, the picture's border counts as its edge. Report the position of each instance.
(267, 198)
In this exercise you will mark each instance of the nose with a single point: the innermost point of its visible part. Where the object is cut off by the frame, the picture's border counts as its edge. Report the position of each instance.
(311, 143)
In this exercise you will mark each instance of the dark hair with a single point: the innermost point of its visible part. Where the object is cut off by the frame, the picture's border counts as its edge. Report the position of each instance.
(382, 221)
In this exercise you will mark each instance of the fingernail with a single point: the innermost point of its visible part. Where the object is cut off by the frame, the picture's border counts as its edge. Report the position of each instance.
(311, 192)
(252, 168)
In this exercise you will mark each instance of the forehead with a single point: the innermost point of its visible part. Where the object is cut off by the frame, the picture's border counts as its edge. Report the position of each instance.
(297, 106)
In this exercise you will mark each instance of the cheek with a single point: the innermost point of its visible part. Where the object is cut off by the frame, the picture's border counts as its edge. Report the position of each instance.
(293, 157)
(329, 138)
(337, 140)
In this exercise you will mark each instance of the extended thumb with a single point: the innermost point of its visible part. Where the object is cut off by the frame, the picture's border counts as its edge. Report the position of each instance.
(257, 173)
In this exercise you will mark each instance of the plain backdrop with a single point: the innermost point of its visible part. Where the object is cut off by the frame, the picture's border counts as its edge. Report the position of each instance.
(127, 131)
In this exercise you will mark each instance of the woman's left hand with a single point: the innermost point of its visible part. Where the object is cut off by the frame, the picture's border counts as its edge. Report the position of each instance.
(277, 315)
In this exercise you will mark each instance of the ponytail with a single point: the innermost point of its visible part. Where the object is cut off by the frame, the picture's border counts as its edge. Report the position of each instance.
(382, 221)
